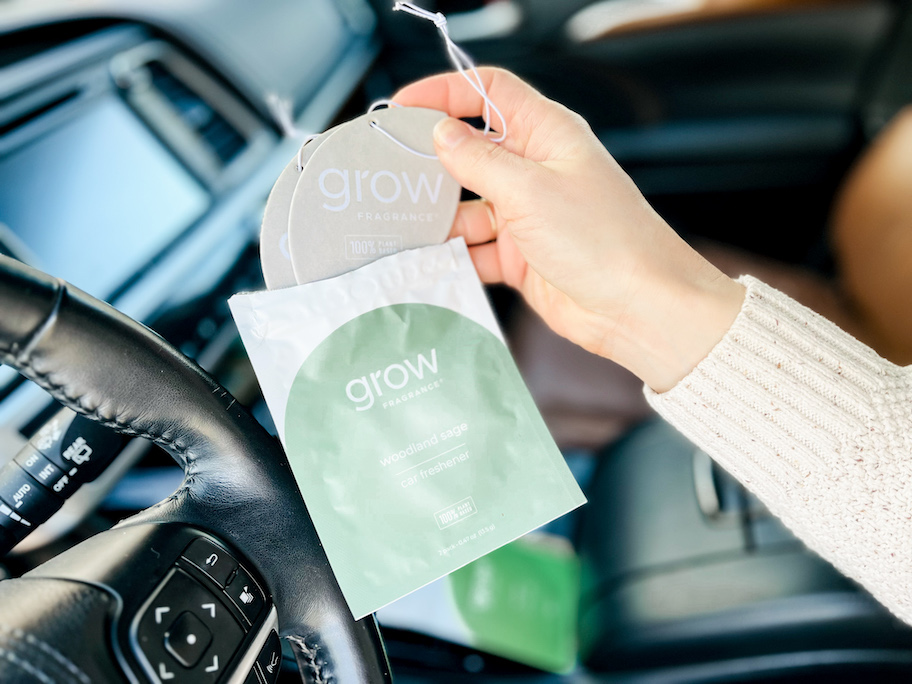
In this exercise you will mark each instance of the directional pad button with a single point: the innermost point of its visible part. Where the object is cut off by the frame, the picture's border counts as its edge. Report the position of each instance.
(187, 639)
(188, 633)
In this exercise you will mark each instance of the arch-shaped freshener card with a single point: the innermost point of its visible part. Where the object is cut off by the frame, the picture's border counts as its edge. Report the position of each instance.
(372, 188)
(275, 256)
(413, 439)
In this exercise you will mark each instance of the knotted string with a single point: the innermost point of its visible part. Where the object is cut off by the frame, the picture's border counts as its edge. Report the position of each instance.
(462, 63)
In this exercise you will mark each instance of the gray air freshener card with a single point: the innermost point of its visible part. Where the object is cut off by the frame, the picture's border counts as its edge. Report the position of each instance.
(372, 189)
(274, 255)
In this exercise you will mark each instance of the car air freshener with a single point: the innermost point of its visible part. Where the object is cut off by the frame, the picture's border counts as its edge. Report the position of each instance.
(274, 255)
(373, 188)
(412, 437)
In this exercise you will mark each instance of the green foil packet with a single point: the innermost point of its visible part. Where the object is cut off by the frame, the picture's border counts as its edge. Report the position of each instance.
(409, 430)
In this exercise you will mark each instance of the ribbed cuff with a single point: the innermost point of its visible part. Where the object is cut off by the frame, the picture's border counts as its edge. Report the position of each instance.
(818, 426)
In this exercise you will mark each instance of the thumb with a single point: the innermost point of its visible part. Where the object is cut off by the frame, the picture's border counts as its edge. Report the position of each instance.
(482, 166)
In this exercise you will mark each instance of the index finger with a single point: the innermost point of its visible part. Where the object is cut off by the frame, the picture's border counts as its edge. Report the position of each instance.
(451, 93)
(524, 108)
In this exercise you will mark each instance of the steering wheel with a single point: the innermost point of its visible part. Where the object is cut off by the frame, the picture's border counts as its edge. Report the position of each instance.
(127, 604)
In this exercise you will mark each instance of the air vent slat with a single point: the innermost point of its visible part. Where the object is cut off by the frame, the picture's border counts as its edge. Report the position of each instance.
(223, 139)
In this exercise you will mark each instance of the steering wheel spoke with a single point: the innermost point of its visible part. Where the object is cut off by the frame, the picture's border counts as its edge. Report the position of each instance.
(237, 488)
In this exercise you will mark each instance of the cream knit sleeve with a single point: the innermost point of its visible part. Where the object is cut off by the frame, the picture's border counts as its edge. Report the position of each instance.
(819, 427)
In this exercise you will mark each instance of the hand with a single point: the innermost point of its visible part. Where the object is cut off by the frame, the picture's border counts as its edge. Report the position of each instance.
(563, 224)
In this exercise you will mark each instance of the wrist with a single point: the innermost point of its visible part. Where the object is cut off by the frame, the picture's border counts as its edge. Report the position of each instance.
(678, 317)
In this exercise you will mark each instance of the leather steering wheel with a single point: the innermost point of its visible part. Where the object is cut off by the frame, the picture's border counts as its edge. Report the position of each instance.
(237, 487)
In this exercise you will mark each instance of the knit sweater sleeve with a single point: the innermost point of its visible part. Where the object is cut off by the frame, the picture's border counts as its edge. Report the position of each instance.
(819, 427)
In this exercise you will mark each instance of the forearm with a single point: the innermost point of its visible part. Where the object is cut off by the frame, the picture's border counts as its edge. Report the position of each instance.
(819, 427)
(680, 308)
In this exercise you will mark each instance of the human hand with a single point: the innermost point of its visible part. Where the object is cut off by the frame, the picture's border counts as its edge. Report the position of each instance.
(563, 224)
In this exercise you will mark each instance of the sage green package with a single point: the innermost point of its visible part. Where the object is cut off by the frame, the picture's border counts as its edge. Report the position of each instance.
(412, 437)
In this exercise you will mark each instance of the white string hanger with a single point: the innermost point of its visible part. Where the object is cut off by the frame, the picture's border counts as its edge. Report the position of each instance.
(308, 139)
(382, 103)
(282, 113)
(461, 62)
(376, 126)
(281, 110)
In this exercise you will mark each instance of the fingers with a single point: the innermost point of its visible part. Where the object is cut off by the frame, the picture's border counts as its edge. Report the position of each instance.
(537, 128)
(520, 104)
(487, 263)
(451, 93)
(499, 261)
(484, 167)
(475, 222)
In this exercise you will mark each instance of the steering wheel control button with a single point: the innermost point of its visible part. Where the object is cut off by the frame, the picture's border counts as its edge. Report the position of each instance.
(187, 639)
(253, 677)
(246, 595)
(211, 559)
(13, 528)
(188, 631)
(164, 674)
(15, 524)
(35, 464)
(270, 658)
(80, 447)
(25, 498)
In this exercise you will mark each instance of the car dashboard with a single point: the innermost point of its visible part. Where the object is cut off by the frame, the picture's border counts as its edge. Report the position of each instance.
(138, 143)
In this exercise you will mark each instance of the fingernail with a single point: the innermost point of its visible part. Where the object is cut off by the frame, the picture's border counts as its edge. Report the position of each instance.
(449, 132)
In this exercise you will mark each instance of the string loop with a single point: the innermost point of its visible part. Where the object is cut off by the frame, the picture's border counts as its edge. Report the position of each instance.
(376, 126)
(283, 114)
(461, 61)
(309, 138)
(382, 103)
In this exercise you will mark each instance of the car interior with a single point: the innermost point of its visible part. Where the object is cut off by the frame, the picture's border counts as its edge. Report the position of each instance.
(143, 493)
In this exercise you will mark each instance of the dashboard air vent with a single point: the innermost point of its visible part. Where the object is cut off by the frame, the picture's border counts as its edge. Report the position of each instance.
(204, 123)
(224, 140)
